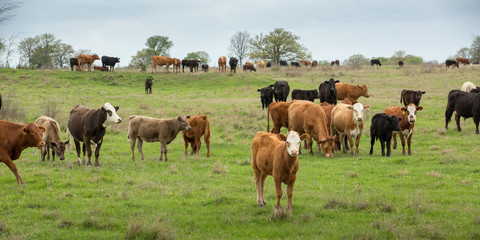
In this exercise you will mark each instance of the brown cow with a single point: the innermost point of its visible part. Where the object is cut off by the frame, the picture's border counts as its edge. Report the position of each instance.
(222, 64)
(261, 64)
(86, 59)
(177, 64)
(328, 112)
(277, 156)
(408, 117)
(279, 113)
(307, 117)
(100, 68)
(14, 138)
(200, 126)
(154, 130)
(305, 62)
(347, 120)
(51, 136)
(352, 92)
(160, 61)
(314, 63)
(465, 61)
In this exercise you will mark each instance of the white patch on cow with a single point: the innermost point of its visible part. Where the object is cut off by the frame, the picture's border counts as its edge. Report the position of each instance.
(293, 143)
(411, 114)
(355, 132)
(406, 133)
(357, 112)
(112, 116)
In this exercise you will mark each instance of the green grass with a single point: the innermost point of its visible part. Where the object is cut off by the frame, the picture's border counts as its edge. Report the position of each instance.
(433, 194)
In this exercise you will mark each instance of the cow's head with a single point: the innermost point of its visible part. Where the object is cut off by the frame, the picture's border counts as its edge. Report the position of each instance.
(293, 142)
(182, 123)
(392, 123)
(331, 84)
(111, 112)
(357, 109)
(327, 145)
(59, 148)
(315, 93)
(33, 135)
(266, 91)
(418, 96)
(411, 112)
(364, 90)
(95, 57)
(117, 60)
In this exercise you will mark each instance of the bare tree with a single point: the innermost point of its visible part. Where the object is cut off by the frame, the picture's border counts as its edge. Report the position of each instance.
(10, 49)
(6, 7)
(475, 50)
(240, 45)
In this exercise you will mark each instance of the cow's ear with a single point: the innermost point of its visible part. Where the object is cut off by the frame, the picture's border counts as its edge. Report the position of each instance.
(337, 81)
(366, 107)
(399, 119)
(271, 85)
(258, 90)
(42, 129)
(53, 144)
(116, 108)
(103, 109)
(403, 109)
(281, 137)
(67, 142)
(187, 117)
(304, 137)
(423, 92)
(419, 108)
(24, 130)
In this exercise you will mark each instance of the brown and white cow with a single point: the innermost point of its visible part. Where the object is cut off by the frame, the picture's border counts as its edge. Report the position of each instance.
(328, 113)
(352, 92)
(86, 59)
(160, 61)
(51, 136)
(408, 117)
(89, 126)
(279, 113)
(177, 64)
(347, 120)
(222, 64)
(307, 117)
(261, 64)
(277, 156)
(200, 127)
(149, 129)
(14, 138)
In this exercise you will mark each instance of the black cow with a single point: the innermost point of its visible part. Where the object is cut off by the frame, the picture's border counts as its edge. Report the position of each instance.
(205, 67)
(400, 64)
(449, 63)
(375, 62)
(328, 92)
(295, 64)
(410, 96)
(73, 62)
(0, 101)
(233, 64)
(283, 63)
(280, 91)
(309, 95)
(269, 64)
(465, 104)
(382, 128)
(191, 63)
(109, 61)
(148, 85)
(249, 67)
(266, 96)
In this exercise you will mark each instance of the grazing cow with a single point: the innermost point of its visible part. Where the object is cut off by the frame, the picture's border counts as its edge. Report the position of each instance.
(309, 95)
(314, 63)
(191, 63)
(249, 64)
(283, 63)
(205, 67)
(400, 63)
(468, 86)
(154, 130)
(295, 64)
(73, 62)
(307, 117)
(51, 136)
(222, 64)
(148, 85)
(200, 127)
(449, 63)
(352, 92)
(276, 155)
(465, 105)
(332, 63)
(408, 116)
(305, 62)
(462, 60)
(177, 64)
(337, 62)
(160, 61)
(89, 126)
(411, 96)
(279, 113)
(86, 59)
(327, 92)
(266, 96)
(382, 129)
(233, 64)
(375, 62)
(249, 67)
(347, 120)
(280, 91)
(14, 138)
(269, 64)
(110, 61)
(261, 64)
(100, 68)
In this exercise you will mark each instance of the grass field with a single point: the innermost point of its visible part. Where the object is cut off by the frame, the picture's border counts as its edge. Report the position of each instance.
(433, 194)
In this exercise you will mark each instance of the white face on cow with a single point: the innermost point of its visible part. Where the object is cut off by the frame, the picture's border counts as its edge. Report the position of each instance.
(112, 116)
(412, 113)
(358, 111)
(293, 143)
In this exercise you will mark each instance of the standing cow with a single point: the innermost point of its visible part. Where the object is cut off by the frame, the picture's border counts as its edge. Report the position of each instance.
(465, 105)
(51, 136)
(411, 96)
(408, 116)
(382, 129)
(327, 91)
(160, 61)
(86, 59)
(375, 62)
(266, 96)
(222, 64)
(148, 85)
(109, 61)
(279, 113)
(281, 89)
(309, 95)
(200, 127)
(233, 64)
(347, 120)
(73, 62)
(352, 92)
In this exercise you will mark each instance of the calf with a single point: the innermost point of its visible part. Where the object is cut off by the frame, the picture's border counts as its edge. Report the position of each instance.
(51, 136)
(261, 64)
(269, 64)
(73, 62)
(154, 130)
(408, 116)
(309, 95)
(279, 113)
(281, 89)
(375, 62)
(14, 138)
(337, 62)
(110, 62)
(233, 64)
(100, 68)
(177, 64)
(400, 63)
(327, 92)
(266, 96)
(468, 86)
(352, 92)
(191, 63)
(449, 63)
(382, 129)
(200, 127)
(277, 156)
(205, 67)
(283, 63)
(249, 67)
(465, 105)
(222, 64)
(328, 113)
(411, 96)
(148, 85)
(464, 61)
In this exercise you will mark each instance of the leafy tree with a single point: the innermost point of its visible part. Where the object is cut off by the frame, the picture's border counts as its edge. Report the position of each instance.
(278, 45)
(411, 59)
(203, 56)
(239, 45)
(464, 52)
(156, 46)
(26, 48)
(475, 50)
(356, 60)
(62, 54)
(44, 53)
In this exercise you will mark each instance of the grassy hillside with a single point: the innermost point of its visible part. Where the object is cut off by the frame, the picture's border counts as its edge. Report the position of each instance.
(432, 194)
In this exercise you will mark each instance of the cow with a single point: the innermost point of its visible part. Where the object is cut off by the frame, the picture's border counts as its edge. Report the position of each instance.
(233, 64)
(283, 63)
(261, 64)
(295, 64)
(249, 67)
(110, 61)
(73, 62)
(468, 86)
(200, 127)
(332, 63)
(375, 62)
(465, 105)
(266, 96)
(305, 62)
(51, 136)
(222, 64)
(465, 61)
(328, 113)
(449, 63)
(307, 117)
(205, 67)
(148, 85)
(14, 138)
(347, 120)
(280, 91)
(408, 116)
(160, 61)
(309, 95)
(269, 64)
(382, 129)
(276, 155)
(89, 126)
(191, 63)
(352, 92)
(337, 62)
(279, 113)
(249, 64)
(411, 96)
(100, 68)
(149, 129)
(400, 63)
(177, 64)
(327, 91)
(314, 63)
(86, 59)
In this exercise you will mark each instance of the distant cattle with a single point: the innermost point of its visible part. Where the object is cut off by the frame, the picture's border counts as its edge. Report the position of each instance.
(408, 116)
(337, 62)
(14, 138)
(266, 96)
(281, 89)
(400, 63)
(51, 136)
(347, 120)
(305, 62)
(148, 85)
(352, 92)
(261, 64)
(86, 59)
(160, 61)
(283, 63)
(314, 63)
(205, 67)
(89, 126)
(233, 64)
(269, 64)
(382, 129)
(279, 113)
(332, 63)
(309, 95)
(375, 62)
(411, 96)
(177, 64)
(465, 104)
(191, 63)
(149, 129)
(468, 86)
(100, 68)
(295, 64)
(110, 61)
(464, 61)
(200, 126)
(249, 64)
(449, 63)
(249, 67)
(327, 91)
(73, 62)
(222, 64)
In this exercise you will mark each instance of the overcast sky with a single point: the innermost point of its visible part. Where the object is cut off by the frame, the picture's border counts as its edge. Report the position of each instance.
(432, 29)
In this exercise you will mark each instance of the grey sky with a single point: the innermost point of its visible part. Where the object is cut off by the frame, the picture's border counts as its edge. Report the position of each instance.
(432, 29)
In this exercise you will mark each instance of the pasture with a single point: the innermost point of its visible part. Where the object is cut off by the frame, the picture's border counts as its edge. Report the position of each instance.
(433, 194)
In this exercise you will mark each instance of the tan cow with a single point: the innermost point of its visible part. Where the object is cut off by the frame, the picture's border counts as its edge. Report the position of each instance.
(222, 64)
(249, 64)
(160, 61)
(51, 136)
(277, 156)
(352, 92)
(261, 64)
(307, 117)
(279, 113)
(177, 64)
(408, 116)
(200, 126)
(86, 59)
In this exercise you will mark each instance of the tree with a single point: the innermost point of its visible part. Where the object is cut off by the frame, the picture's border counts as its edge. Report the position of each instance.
(44, 53)
(62, 54)
(475, 50)
(9, 49)
(356, 60)
(239, 45)
(6, 8)
(278, 45)
(26, 48)
(156, 46)
(464, 52)
(203, 56)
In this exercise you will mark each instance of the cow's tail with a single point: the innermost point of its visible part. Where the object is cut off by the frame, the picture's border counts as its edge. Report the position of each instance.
(207, 127)
(268, 118)
(401, 95)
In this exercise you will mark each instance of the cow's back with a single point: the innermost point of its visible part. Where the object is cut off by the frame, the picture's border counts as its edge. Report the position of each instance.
(305, 115)
(77, 121)
(200, 126)
(339, 117)
(263, 145)
(52, 129)
(152, 129)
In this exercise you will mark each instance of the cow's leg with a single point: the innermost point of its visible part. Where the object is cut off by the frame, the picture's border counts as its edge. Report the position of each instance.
(357, 142)
(84, 149)
(389, 149)
(8, 161)
(289, 194)
(402, 139)
(476, 120)
(48, 152)
(409, 142)
(278, 190)
(97, 153)
(198, 143)
(185, 141)
(262, 185)
(448, 116)
(140, 148)
(394, 141)
(43, 152)
(77, 148)
(258, 186)
(88, 147)
(372, 142)
(382, 144)
(310, 147)
(457, 120)
(207, 142)
(133, 140)
(53, 154)
(163, 151)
